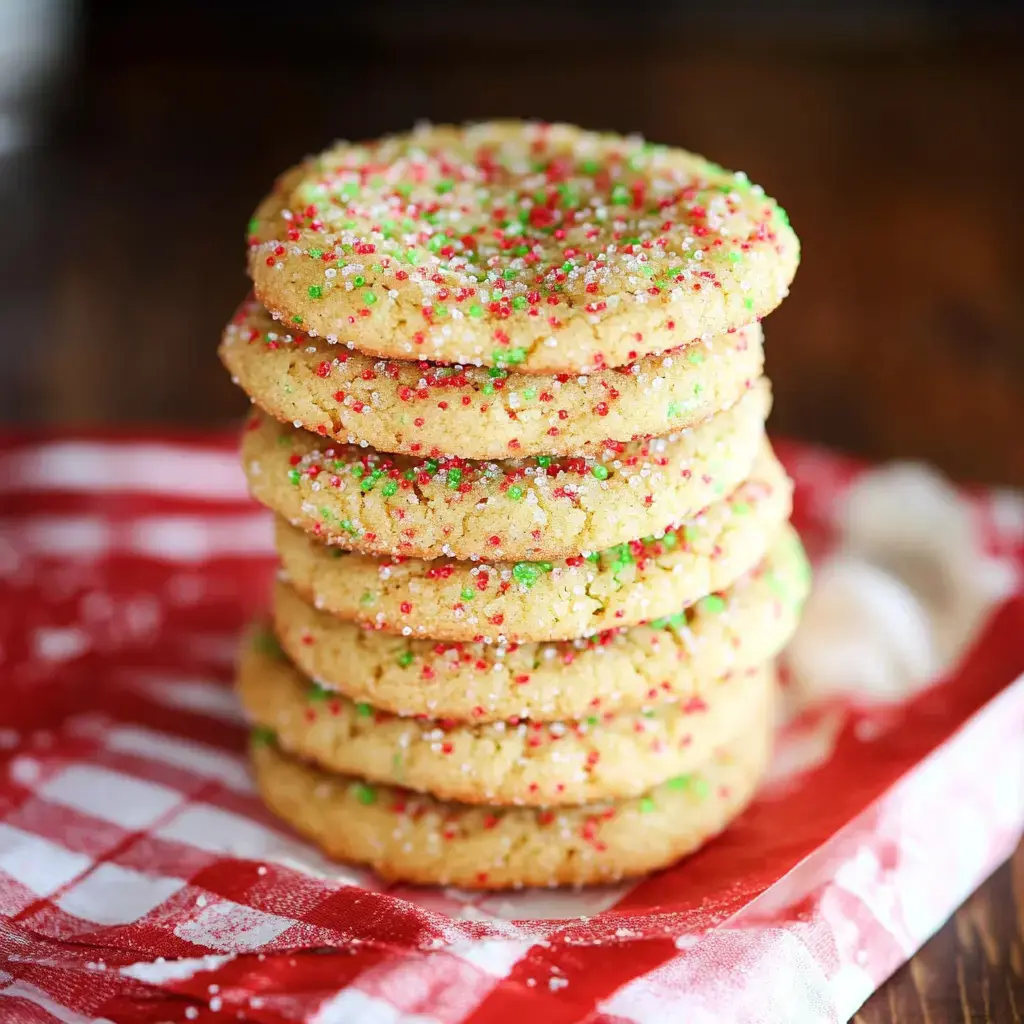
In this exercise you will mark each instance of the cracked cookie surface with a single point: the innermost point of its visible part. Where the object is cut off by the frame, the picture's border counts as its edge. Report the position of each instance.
(614, 755)
(667, 659)
(536, 508)
(541, 247)
(411, 837)
(427, 409)
(446, 599)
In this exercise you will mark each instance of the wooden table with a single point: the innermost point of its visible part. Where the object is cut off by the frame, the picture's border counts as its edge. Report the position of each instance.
(899, 160)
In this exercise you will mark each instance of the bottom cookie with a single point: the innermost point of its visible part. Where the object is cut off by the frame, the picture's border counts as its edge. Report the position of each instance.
(409, 837)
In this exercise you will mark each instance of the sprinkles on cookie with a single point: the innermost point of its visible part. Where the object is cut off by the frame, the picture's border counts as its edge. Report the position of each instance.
(543, 248)
(535, 560)
(431, 409)
(533, 509)
(490, 601)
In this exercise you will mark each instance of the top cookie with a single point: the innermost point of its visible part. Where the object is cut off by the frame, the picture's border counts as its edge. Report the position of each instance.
(542, 248)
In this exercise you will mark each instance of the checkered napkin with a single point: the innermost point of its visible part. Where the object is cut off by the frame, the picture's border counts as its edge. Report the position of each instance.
(141, 880)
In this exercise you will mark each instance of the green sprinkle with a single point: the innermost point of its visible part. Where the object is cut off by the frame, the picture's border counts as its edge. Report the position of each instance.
(368, 599)
(740, 508)
(264, 642)
(432, 466)
(317, 693)
(444, 186)
(314, 291)
(467, 594)
(371, 297)
(621, 557)
(735, 257)
(543, 461)
(519, 302)
(620, 195)
(515, 492)
(529, 394)
(411, 256)
(364, 710)
(679, 782)
(647, 805)
(315, 253)
(476, 311)
(528, 573)
(410, 475)
(701, 787)
(389, 488)
(371, 481)
(695, 356)
(674, 409)
(359, 280)
(748, 303)
(677, 620)
(364, 794)
(590, 167)
(349, 527)
(454, 478)
(358, 470)
(296, 319)
(488, 388)
(294, 476)
(777, 586)
(601, 472)
(713, 604)
(262, 736)
(405, 659)
(509, 356)
(496, 371)
(441, 311)
(252, 226)
(593, 720)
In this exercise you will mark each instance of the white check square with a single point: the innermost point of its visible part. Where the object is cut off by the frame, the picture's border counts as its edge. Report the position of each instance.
(115, 895)
(126, 801)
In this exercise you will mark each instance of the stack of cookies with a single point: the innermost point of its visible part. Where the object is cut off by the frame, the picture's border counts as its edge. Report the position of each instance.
(535, 557)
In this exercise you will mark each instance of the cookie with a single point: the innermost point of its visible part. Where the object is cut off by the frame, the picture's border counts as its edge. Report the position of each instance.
(544, 507)
(515, 762)
(540, 247)
(505, 601)
(429, 410)
(410, 837)
(670, 658)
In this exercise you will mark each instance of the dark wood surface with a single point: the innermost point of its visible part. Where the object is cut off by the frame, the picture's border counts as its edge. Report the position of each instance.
(898, 157)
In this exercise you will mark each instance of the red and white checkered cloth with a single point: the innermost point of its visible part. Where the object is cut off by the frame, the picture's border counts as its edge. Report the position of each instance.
(141, 880)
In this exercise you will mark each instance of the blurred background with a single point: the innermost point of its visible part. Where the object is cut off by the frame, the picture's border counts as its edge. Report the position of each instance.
(137, 137)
